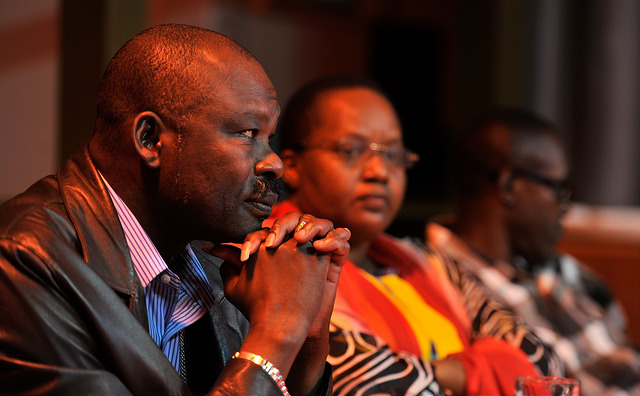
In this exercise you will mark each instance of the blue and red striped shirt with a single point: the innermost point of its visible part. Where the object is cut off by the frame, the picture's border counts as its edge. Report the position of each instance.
(175, 299)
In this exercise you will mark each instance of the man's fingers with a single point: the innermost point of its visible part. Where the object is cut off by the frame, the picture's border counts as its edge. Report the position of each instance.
(336, 243)
(252, 243)
(304, 228)
(310, 227)
(228, 253)
(335, 237)
(342, 233)
(281, 227)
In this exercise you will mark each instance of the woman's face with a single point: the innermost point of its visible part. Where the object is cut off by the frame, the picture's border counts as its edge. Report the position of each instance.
(338, 175)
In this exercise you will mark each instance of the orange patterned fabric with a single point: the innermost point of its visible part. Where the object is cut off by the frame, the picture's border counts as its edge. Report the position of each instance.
(379, 305)
(376, 350)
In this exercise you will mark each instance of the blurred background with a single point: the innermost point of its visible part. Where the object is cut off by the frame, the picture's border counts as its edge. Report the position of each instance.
(576, 62)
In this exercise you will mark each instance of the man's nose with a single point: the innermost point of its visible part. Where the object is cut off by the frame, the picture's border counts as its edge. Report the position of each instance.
(271, 163)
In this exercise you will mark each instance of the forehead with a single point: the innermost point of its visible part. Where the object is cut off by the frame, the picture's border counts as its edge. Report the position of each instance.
(241, 90)
(541, 152)
(239, 73)
(354, 111)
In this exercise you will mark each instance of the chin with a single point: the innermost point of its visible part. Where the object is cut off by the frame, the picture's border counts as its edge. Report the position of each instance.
(235, 234)
(377, 219)
(541, 257)
(366, 231)
(255, 226)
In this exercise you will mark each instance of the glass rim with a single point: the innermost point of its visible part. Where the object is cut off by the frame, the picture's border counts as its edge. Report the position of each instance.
(547, 379)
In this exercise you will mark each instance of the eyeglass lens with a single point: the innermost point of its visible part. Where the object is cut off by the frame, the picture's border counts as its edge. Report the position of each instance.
(562, 188)
(356, 151)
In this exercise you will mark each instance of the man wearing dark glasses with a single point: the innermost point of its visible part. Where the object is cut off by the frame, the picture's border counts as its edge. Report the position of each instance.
(512, 192)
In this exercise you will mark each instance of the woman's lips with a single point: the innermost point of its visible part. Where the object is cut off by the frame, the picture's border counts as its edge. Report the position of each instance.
(374, 202)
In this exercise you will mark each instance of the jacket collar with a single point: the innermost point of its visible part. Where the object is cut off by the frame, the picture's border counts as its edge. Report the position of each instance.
(90, 209)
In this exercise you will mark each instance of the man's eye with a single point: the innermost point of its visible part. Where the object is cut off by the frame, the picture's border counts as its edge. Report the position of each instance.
(249, 133)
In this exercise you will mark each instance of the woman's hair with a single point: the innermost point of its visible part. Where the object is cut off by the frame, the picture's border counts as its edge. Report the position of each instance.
(297, 118)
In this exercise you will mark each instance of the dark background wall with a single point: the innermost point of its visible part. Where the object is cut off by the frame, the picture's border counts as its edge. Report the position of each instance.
(442, 62)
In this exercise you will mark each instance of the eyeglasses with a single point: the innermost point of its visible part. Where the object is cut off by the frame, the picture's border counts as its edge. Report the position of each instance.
(357, 151)
(562, 188)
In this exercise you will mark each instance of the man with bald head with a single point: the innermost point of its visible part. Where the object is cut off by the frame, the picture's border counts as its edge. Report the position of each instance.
(512, 187)
(102, 290)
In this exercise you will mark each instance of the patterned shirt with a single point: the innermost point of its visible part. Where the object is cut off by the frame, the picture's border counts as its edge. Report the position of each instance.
(379, 347)
(369, 362)
(567, 306)
(175, 299)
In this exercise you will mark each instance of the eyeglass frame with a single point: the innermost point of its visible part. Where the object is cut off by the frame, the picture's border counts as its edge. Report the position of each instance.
(563, 189)
(409, 158)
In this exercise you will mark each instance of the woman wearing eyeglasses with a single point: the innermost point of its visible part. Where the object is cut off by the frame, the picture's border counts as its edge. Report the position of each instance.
(401, 322)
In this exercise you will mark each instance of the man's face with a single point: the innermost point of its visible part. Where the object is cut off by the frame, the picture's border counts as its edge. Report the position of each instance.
(363, 193)
(535, 222)
(216, 175)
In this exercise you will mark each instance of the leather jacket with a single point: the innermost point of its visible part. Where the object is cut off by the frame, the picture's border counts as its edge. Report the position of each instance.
(73, 317)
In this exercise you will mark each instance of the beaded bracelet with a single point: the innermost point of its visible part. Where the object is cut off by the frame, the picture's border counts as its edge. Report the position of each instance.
(267, 366)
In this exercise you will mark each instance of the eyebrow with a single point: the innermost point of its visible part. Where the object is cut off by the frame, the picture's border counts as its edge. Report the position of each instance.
(356, 135)
(248, 114)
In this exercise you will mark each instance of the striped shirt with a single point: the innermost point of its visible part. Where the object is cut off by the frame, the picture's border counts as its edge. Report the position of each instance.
(567, 305)
(175, 299)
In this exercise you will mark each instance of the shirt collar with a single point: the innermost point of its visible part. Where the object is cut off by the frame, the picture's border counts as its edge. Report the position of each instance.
(147, 261)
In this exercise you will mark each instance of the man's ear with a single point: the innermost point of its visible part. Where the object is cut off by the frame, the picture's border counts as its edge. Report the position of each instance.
(147, 127)
(505, 188)
(292, 170)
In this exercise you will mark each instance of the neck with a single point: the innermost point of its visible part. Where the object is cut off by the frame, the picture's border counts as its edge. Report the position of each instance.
(165, 239)
(358, 256)
(130, 189)
(484, 231)
(168, 247)
(359, 247)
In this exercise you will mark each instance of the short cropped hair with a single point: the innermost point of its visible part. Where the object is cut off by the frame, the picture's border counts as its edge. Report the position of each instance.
(159, 70)
(492, 142)
(298, 115)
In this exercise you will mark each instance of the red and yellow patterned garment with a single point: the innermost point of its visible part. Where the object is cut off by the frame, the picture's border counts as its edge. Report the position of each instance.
(386, 329)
